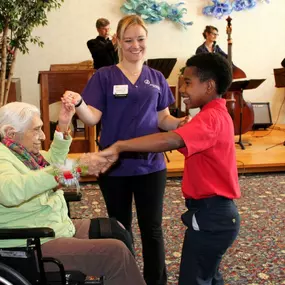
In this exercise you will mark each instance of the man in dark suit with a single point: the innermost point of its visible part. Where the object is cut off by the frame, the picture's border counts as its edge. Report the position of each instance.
(103, 50)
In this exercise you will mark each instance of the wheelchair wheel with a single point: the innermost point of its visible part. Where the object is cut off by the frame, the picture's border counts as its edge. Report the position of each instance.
(9, 276)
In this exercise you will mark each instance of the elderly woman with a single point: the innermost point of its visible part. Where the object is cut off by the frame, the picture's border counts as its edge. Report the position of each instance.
(30, 196)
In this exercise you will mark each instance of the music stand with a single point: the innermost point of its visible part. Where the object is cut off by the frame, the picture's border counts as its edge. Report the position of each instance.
(279, 75)
(240, 86)
(164, 65)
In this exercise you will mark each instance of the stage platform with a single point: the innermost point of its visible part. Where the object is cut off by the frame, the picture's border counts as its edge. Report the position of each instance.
(260, 156)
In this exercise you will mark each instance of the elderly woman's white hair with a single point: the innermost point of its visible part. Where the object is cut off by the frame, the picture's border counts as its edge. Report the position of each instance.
(17, 115)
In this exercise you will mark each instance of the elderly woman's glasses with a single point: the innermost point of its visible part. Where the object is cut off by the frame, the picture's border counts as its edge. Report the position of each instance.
(214, 34)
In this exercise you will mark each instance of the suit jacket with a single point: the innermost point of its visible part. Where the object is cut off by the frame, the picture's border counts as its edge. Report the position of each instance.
(103, 52)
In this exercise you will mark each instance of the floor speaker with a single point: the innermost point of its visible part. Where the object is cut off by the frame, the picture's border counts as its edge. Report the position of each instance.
(262, 115)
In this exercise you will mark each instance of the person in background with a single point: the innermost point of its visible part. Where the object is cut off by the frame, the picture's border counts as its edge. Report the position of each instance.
(132, 100)
(210, 35)
(103, 50)
(210, 179)
(31, 196)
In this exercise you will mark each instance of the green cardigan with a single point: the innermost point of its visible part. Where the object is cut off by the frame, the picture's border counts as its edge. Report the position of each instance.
(27, 198)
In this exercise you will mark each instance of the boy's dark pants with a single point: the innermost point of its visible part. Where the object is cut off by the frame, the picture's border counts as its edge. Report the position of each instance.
(213, 224)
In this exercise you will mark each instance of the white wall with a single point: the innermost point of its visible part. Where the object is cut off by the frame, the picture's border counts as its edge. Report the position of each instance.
(258, 43)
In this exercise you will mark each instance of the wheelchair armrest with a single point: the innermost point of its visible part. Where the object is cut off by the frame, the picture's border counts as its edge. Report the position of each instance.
(72, 196)
(24, 233)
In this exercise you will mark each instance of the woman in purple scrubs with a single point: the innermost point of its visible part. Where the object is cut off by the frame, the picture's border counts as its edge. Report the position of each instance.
(132, 100)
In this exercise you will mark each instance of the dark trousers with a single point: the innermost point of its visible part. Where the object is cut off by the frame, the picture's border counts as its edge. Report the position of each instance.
(212, 226)
(148, 191)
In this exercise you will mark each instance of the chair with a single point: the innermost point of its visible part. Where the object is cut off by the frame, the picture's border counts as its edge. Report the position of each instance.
(16, 263)
(29, 262)
(52, 85)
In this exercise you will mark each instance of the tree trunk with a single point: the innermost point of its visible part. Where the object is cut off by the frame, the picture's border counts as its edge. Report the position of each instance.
(11, 73)
(3, 63)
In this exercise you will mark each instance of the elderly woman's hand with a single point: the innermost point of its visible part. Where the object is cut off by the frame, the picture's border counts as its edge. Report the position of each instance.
(65, 116)
(94, 163)
(111, 154)
(70, 98)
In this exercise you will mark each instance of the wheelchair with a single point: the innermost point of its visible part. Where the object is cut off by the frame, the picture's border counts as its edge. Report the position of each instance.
(28, 262)
(25, 265)
(8, 275)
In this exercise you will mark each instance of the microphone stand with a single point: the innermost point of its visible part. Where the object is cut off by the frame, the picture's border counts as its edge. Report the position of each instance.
(214, 46)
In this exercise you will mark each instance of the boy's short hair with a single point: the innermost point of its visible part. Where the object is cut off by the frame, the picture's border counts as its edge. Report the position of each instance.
(212, 66)
(101, 23)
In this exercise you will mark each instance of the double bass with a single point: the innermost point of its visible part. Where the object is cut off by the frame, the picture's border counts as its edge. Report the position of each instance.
(241, 111)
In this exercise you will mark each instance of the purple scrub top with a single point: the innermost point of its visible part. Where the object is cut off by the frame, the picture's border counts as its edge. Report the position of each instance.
(131, 115)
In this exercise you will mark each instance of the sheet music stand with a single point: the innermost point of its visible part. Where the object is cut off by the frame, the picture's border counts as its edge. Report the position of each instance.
(279, 75)
(240, 86)
(164, 65)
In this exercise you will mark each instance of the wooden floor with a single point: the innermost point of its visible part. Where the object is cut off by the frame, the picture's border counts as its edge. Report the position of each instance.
(265, 154)
(260, 156)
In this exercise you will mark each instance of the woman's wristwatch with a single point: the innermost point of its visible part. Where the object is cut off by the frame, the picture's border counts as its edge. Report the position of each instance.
(79, 103)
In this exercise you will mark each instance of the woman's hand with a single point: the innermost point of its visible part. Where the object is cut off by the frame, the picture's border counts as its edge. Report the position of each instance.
(184, 121)
(70, 98)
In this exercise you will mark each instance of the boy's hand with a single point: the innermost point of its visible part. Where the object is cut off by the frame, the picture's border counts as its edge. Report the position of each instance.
(94, 162)
(184, 121)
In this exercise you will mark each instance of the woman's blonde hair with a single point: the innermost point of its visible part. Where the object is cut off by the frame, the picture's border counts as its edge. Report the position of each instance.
(17, 115)
(125, 23)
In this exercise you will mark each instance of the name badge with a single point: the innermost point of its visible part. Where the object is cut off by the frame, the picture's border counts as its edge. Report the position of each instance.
(120, 90)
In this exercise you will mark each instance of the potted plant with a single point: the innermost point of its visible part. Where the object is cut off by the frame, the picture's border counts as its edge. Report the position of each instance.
(18, 18)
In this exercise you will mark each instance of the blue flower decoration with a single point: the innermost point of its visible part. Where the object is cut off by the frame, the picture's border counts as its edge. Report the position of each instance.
(218, 9)
(153, 12)
(222, 8)
(240, 5)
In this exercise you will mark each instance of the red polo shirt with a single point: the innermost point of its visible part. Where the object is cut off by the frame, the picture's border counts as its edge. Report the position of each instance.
(210, 162)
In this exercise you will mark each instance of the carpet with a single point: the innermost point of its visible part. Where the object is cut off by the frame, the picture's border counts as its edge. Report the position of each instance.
(257, 256)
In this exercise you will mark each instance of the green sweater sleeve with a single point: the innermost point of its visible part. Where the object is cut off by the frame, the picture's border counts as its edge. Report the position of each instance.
(16, 188)
(19, 184)
(58, 151)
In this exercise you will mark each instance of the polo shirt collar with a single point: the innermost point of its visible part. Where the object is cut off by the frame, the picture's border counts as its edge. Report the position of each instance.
(216, 103)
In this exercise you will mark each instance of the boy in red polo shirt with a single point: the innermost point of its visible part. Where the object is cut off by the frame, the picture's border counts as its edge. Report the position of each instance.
(210, 179)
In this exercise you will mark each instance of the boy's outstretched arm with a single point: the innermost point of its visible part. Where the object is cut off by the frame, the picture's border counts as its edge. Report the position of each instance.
(151, 143)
